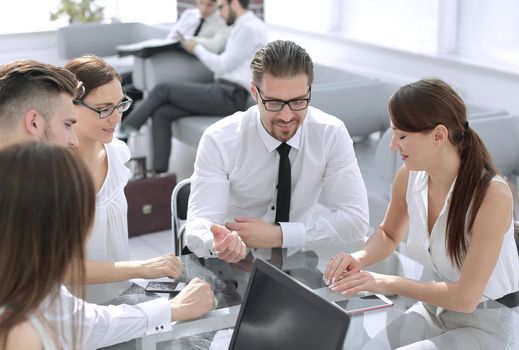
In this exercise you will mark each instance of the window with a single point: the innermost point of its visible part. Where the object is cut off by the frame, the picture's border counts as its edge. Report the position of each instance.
(489, 30)
(310, 15)
(405, 24)
(22, 17)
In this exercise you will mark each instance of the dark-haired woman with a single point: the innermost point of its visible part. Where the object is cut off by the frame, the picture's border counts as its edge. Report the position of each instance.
(455, 206)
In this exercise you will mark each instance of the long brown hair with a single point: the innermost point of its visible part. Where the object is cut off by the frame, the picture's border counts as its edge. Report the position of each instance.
(47, 205)
(92, 71)
(420, 107)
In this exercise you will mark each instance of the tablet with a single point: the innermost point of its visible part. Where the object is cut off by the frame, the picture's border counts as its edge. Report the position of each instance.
(364, 303)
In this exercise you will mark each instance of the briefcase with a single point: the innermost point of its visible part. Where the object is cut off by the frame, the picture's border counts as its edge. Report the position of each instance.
(149, 203)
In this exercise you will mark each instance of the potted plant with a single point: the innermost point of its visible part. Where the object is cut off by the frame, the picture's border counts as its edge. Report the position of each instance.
(79, 11)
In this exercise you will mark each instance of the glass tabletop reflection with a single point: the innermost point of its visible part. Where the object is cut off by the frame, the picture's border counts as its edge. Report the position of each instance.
(229, 282)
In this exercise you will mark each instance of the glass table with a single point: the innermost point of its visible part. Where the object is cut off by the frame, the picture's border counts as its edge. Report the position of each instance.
(375, 329)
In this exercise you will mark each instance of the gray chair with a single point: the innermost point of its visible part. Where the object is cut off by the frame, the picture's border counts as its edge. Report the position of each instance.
(179, 202)
(101, 39)
(361, 105)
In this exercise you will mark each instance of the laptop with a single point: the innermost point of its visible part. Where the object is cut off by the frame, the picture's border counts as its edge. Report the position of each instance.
(279, 312)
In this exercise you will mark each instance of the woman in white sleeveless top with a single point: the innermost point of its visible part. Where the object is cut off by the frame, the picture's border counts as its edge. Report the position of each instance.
(459, 216)
(47, 206)
(100, 109)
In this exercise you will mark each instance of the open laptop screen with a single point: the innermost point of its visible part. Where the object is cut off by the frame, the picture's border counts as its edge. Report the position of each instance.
(280, 313)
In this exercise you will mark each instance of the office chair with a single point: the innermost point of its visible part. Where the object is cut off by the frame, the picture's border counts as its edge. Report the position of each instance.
(179, 202)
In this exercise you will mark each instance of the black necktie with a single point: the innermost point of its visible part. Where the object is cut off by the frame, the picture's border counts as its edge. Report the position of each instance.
(197, 30)
(284, 184)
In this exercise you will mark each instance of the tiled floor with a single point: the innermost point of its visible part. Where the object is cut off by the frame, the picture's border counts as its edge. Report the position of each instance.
(155, 244)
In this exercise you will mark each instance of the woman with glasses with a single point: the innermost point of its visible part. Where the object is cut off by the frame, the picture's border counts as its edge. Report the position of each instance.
(99, 112)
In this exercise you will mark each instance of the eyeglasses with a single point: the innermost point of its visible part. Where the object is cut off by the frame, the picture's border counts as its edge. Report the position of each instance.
(104, 113)
(297, 104)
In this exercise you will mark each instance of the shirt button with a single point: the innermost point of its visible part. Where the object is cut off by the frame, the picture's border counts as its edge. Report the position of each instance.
(272, 208)
(157, 328)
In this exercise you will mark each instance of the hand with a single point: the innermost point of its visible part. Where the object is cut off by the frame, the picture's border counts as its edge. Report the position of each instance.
(362, 281)
(195, 300)
(257, 233)
(189, 45)
(341, 265)
(167, 265)
(228, 244)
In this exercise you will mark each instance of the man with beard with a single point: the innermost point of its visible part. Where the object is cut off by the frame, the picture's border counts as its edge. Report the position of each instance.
(281, 174)
(36, 104)
(228, 93)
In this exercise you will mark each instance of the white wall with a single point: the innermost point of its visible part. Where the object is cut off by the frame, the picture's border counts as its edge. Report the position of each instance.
(485, 86)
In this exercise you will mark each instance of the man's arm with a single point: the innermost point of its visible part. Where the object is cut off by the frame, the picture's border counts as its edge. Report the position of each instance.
(240, 47)
(209, 197)
(106, 325)
(344, 196)
(216, 43)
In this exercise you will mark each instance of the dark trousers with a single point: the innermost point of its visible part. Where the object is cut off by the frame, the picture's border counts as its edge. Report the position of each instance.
(168, 102)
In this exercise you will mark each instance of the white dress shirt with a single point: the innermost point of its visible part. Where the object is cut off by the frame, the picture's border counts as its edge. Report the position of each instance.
(431, 250)
(236, 172)
(213, 34)
(248, 35)
(104, 325)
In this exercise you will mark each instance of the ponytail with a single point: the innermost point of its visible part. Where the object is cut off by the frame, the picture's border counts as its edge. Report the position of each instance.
(476, 171)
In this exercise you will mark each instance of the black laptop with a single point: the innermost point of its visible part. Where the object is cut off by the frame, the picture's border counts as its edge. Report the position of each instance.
(279, 312)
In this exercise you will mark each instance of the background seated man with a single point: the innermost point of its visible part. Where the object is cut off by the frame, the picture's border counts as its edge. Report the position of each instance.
(170, 101)
(202, 24)
(237, 182)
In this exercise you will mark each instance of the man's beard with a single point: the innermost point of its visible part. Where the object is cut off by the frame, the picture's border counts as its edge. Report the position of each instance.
(48, 135)
(232, 17)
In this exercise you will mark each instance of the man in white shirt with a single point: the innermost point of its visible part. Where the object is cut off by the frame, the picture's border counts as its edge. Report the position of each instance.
(170, 101)
(202, 24)
(36, 104)
(237, 182)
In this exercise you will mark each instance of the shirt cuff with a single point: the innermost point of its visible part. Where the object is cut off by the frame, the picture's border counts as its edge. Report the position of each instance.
(158, 313)
(199, 50)
(201, 244)
(294, 234)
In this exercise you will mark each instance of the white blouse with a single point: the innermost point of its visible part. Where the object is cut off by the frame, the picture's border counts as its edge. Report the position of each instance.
(108, 240)
(431, 251)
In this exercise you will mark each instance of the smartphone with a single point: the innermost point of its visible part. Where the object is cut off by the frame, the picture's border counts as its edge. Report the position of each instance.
(364, 303)
(173, 287)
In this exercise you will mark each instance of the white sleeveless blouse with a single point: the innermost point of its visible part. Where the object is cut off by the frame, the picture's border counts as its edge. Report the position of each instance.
(431, 251)
(108, 239)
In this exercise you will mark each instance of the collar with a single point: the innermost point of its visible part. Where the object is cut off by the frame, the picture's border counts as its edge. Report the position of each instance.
(422, 185)
(270, 142)
(245, 17)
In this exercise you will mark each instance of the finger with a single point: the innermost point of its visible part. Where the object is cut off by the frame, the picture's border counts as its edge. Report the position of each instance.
(219, 232)
(332, 268)
(233, 226)
(236, 250)
(349, 285)
(242, 219)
